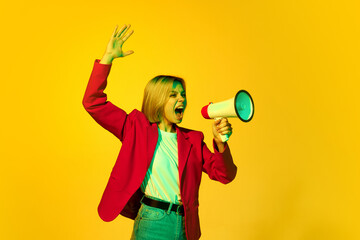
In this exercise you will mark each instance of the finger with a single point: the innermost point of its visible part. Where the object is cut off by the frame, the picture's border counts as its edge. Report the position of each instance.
(223, 124)
(114, 33)
(224, 129)
(217, 121)
(124, 31)
(224, 120)
(121, 31)
(128, 53)
(225, 133)
(128, 35)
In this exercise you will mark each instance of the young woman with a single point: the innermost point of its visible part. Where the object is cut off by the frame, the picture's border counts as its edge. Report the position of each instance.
(157, 174)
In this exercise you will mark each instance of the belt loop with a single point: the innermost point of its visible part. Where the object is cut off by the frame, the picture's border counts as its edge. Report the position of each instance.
(170, 206)
(142, 199)
(178, 209)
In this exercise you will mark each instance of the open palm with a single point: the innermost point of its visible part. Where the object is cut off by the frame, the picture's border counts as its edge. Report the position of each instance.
(118, 38)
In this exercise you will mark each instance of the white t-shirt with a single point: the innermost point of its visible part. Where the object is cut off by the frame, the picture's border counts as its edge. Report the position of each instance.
(162, 178)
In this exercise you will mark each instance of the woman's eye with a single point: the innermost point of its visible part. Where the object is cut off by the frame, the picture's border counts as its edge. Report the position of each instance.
(173, 95)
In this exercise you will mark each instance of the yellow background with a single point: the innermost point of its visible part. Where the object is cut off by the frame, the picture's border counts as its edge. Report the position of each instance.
(298, 159)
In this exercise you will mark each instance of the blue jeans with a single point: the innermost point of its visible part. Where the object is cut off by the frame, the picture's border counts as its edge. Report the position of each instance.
(156, 224)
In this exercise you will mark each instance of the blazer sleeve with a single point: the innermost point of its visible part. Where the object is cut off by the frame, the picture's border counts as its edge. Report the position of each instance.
(219, 166)
(95, 102)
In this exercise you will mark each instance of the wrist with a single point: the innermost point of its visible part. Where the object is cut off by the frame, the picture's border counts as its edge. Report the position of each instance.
(217, 142)
(220, 145)
(107, 59)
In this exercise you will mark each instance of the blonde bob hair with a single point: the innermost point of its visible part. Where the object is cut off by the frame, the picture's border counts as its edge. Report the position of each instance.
(156, 94)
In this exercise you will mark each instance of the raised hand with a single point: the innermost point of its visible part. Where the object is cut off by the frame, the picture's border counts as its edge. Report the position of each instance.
(114, 47)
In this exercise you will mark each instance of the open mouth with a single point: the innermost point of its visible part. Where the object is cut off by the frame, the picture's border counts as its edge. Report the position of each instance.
(179, 111)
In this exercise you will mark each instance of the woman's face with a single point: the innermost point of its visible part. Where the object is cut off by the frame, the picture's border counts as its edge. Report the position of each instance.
(175, 106)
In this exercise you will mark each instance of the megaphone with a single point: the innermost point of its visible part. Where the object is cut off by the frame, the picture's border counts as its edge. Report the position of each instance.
(241, 106)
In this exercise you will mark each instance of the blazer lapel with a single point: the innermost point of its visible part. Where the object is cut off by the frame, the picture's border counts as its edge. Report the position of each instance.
(184, 147)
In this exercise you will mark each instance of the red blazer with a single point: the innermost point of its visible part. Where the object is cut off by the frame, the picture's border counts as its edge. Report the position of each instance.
(139, 138)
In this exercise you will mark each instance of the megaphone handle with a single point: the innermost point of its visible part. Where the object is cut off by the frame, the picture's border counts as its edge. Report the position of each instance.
(224, 137)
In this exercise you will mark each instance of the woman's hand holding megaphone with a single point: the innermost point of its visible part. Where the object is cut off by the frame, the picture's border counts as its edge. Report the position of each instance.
(221, 126)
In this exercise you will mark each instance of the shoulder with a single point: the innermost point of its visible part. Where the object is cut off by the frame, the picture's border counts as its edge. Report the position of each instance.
(136, 114)
(136, 117)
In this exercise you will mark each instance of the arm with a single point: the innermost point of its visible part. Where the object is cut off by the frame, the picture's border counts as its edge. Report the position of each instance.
(219, 165)
(95, 101)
